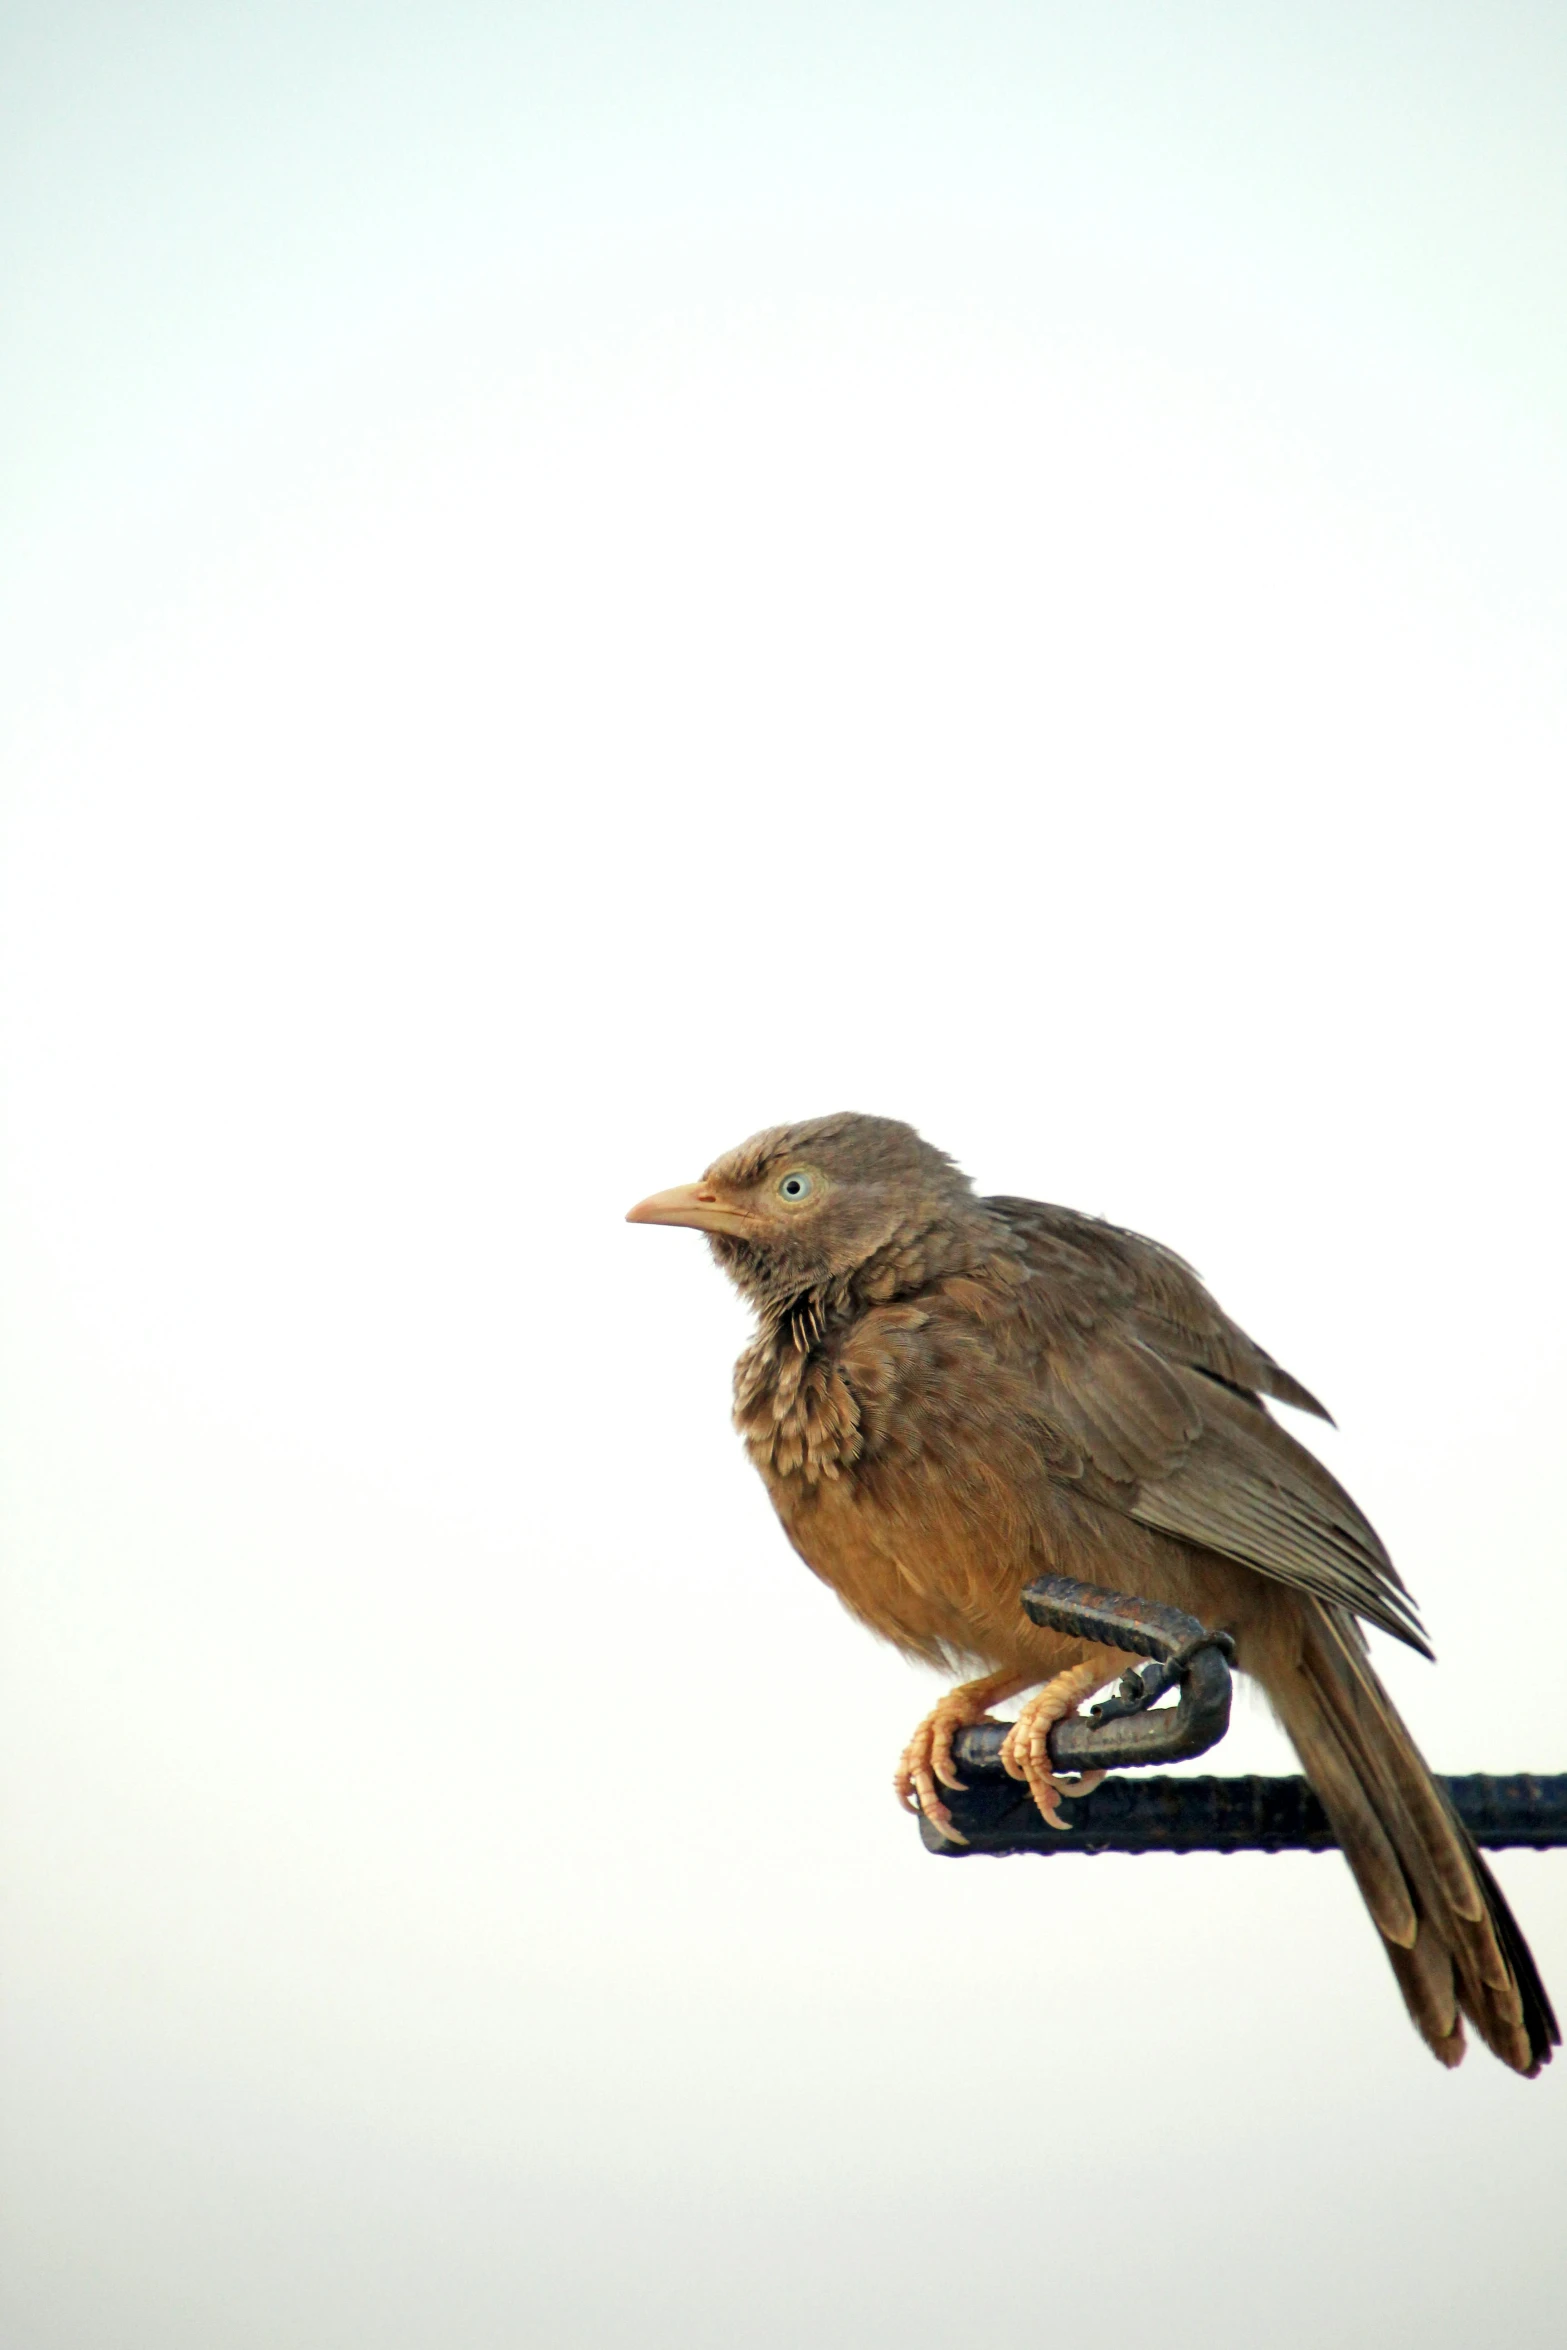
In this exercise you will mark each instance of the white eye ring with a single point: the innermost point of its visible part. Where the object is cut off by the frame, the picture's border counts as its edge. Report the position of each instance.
(795, 1186)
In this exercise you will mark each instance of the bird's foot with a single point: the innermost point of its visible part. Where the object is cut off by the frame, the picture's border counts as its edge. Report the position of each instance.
(1026, 1753)
(928, 1755)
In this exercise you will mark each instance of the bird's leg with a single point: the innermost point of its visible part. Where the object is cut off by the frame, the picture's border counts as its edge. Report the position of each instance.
(928, 1755)
(1026, 1753)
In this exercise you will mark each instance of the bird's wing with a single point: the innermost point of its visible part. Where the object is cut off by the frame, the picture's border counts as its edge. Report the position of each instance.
(1177, 1444)
(1157, 1293)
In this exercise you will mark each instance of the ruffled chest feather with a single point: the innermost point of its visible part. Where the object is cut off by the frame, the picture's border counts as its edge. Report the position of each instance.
(795, 1410)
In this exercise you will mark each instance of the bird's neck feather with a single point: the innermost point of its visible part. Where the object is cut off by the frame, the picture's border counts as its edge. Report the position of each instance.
(797, 1313)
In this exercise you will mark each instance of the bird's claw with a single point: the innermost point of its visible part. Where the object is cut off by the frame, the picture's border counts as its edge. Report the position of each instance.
(1049, 1790)
(1025, 1753)
(928, 1756)
(915, 1782)
(930, 1806)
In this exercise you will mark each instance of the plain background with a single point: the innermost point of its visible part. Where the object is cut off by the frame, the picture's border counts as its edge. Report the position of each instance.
(580, 580)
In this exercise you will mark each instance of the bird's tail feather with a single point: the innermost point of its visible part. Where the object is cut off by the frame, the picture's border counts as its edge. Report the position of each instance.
(1454, 1944)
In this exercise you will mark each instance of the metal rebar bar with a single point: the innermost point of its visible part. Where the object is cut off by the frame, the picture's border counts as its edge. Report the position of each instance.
(996, 1814)
(1124, 1734)
(1242, 1814)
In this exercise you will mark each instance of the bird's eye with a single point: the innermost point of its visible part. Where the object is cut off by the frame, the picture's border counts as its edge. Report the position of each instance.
(796, 1185)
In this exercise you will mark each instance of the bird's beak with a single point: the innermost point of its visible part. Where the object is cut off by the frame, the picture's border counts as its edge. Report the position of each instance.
(693, 1204)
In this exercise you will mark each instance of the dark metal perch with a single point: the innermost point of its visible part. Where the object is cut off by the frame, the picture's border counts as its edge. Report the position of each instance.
(998, 1815)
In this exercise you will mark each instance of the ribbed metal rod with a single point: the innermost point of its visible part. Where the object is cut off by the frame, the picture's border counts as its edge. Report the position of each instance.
(1242, 1814)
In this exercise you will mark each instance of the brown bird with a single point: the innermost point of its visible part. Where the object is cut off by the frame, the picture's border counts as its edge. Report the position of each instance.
(948, 1396)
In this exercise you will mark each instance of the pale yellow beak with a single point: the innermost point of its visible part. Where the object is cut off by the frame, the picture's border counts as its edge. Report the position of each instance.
(693, 1204)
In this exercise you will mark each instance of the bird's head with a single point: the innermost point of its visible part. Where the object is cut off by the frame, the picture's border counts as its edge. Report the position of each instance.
(799, 1207)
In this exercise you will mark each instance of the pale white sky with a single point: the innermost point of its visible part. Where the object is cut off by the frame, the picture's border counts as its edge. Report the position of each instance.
(578, 581)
